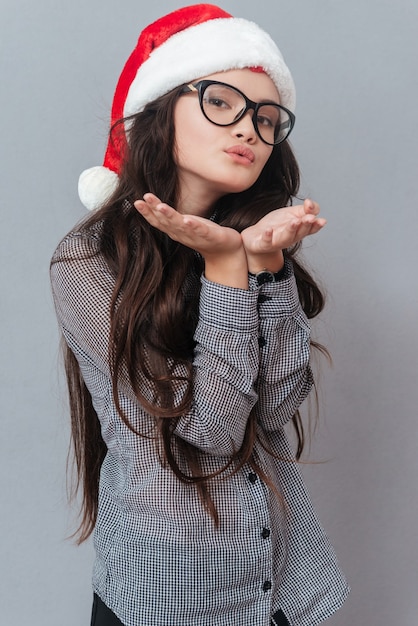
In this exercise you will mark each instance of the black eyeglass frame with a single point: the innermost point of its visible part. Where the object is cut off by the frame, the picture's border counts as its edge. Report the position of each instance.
(202, 85)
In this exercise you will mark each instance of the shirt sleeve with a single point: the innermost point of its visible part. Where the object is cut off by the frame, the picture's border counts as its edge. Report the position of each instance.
(225, 363)
(284, 376)
(226, 356)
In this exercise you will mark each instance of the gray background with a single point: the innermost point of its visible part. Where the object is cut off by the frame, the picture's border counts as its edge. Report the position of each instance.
(356, 138)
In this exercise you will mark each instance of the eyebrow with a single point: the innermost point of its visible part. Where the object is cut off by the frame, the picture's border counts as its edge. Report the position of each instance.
(270, 102)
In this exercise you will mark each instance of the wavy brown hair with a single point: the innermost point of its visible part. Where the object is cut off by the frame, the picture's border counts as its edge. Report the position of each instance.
(153, 318)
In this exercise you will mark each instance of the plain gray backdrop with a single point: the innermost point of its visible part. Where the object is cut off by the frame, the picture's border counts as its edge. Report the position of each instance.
(356, 139)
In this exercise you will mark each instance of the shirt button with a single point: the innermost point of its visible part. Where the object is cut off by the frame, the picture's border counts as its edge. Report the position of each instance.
(266, 533)
(263, 298)
(261, 342)
(267, 585)
(252, 478)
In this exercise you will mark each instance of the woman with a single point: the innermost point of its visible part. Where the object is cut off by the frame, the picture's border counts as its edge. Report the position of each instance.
(185, 319)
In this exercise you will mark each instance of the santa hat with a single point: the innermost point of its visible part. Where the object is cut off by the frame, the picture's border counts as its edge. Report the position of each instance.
(187, 44)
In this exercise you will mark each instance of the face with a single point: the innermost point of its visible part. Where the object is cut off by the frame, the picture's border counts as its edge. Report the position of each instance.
(215, 160)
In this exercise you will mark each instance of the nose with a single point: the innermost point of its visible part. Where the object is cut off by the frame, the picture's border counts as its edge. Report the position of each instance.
(244, 128)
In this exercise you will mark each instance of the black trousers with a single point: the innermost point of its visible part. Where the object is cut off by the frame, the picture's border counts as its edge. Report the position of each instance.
(102, 616)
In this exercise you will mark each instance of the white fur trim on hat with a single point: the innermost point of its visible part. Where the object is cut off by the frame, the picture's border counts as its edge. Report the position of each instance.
(95, 186)
(216, 45)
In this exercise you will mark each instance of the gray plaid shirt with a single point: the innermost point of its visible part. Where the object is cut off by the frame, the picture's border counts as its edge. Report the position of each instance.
(159, 558)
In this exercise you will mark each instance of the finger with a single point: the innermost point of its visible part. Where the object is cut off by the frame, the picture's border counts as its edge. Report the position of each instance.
(162, 211)
(151, 199)
(314, 221)
(142, 207)
(307, 228)
(311, 207)
(165, 211)
(147, 210)
(147, 204)
(160, 216)
(158, 207)
(267, 235)
(196, 226)
(294, 224)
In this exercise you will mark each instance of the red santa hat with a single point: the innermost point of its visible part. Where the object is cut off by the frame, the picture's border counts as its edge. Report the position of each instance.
(187, 44)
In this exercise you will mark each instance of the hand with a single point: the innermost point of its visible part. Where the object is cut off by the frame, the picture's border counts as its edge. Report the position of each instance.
(221, 247)
(198, 233)
(265, 241)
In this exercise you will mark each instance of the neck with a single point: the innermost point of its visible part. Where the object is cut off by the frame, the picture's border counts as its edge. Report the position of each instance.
(196, 201)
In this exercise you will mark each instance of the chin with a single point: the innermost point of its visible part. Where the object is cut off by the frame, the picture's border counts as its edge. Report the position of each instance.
(238, 188)
(235, 184)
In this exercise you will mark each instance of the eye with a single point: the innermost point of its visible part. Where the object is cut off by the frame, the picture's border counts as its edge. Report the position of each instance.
(268, 116)
(264, 120)
(217, 102)
(221, 98)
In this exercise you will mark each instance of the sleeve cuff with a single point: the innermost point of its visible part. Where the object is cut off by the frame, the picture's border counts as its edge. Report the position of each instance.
(283, 274)
(228, 308)
(279, 298)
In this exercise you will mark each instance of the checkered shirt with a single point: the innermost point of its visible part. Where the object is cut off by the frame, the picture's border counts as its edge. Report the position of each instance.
(160, 561)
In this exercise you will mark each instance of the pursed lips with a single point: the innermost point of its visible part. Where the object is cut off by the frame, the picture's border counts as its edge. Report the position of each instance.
(245, 153)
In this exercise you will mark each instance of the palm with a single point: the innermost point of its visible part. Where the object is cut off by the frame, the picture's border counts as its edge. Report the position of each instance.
(282, 228)
(198, 233)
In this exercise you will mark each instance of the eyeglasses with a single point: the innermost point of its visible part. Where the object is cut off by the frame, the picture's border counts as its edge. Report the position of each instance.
(225, 105)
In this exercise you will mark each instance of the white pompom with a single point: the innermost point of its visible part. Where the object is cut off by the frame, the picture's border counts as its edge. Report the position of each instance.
(95, 186)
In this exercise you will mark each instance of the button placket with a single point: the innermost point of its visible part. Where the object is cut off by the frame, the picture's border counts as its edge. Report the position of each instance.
(262, 342)
(263, 298)
(265, 533)
(252, 477)
(262, 531)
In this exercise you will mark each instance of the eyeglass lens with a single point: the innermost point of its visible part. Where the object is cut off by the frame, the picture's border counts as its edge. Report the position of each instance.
(223, 105)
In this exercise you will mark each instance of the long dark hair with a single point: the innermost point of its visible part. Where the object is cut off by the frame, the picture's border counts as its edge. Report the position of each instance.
(153, 317)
